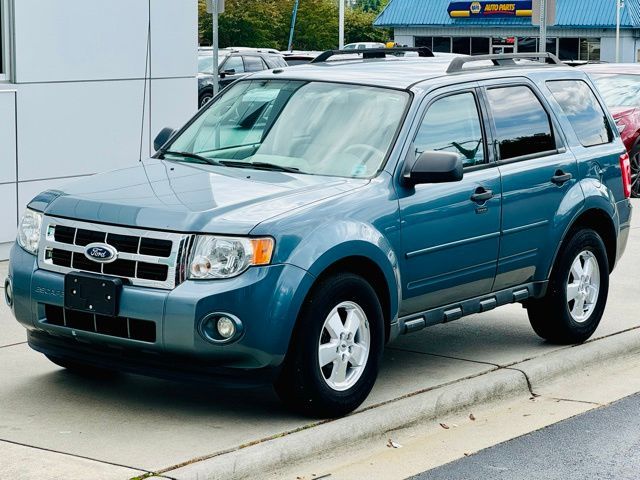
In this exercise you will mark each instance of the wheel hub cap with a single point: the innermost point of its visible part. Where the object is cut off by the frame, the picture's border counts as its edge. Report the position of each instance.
(344, 346)
(583, 286)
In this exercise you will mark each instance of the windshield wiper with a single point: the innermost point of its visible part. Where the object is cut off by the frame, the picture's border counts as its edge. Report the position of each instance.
(195, 156)
(261, 166)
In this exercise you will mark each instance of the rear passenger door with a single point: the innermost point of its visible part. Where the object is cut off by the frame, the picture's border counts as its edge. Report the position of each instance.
(450, 231)
(537, 172)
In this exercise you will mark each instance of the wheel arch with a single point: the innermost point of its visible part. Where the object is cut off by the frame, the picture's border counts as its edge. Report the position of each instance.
(370, 271)
(601, 222)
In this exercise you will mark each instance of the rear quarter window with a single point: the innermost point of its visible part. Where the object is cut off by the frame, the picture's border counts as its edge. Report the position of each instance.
(583, 110)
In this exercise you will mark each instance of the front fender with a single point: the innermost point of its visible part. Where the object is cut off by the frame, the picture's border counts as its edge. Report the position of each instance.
(331, 243)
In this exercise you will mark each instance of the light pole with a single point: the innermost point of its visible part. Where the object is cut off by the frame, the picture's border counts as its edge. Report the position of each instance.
(619, 7)
(543, 27)
(294, 16)
(341, 27)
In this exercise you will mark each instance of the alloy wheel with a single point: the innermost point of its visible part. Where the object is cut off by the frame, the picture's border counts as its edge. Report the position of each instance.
(344, 346)
(583, 286)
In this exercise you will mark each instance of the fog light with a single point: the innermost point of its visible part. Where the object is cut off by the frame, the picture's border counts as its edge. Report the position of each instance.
(221, 328)
(8, 293)
(226, 327)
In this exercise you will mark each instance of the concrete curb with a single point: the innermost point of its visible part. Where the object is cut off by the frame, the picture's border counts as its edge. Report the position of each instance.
(253, 461)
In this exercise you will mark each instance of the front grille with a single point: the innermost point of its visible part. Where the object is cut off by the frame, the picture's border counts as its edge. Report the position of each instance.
(145, 258)
(122, 327)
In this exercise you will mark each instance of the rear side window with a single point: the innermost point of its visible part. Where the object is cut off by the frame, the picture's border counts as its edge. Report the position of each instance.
(522, 124)
(583, 110)
(452, 124)
(254, 64)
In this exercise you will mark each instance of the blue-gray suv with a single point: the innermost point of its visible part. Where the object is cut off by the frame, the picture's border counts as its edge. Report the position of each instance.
(308, 216)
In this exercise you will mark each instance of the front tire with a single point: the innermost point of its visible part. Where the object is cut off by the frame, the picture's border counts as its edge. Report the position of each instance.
(576, 297)
(336, 349)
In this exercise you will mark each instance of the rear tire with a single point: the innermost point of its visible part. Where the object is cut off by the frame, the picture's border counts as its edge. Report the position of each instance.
(576, 297)
(634, 158)
(79, 368)
(336, 349)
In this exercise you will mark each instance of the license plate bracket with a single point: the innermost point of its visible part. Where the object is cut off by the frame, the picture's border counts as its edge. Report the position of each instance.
(92, 293)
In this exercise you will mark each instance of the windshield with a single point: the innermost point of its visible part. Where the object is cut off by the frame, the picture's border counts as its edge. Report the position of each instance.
(205, 63)
(312, 127)
(619, 90)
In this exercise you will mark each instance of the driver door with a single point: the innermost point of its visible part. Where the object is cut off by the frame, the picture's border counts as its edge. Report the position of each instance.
(451, 231)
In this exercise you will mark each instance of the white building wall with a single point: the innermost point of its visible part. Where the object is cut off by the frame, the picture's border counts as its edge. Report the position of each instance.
(82, 74)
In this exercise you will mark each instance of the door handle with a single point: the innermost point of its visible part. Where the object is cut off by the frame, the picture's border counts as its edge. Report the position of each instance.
(560, 178)
(481, 195)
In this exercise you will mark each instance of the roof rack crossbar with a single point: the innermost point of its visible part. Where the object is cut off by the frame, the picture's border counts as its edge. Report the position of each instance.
(501, 60)
(373, 53)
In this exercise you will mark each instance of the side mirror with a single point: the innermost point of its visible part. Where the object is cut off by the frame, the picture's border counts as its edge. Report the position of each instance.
(162, 138)
(435, 167)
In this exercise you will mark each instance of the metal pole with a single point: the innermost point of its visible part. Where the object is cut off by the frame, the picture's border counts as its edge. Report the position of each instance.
(294, 16)
(543, 26)
(341, 20)
(618, 8)
(214, 47)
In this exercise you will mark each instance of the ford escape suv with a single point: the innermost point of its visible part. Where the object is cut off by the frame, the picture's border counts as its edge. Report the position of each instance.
(308, 216)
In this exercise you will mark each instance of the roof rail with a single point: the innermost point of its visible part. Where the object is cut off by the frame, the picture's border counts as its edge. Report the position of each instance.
(373, 53)
(501, 60)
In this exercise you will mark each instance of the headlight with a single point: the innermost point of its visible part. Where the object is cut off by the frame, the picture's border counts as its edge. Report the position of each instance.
(29, 231)
(225, 257)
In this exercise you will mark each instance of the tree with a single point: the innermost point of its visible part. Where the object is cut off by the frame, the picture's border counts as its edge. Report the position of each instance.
(265, 23)
(359, 27)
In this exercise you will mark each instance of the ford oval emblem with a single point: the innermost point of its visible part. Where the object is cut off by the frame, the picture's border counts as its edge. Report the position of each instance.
(100, 252)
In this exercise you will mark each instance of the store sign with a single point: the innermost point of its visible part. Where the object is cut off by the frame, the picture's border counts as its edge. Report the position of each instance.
(487, 9)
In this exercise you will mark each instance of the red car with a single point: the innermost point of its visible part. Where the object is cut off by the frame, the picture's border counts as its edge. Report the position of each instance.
(619, 85)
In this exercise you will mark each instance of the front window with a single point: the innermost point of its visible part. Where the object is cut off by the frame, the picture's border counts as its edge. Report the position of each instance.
(619, 90)
(307, 127)
(205, 63)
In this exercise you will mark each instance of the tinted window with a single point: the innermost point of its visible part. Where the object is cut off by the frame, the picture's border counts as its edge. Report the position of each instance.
(234, 63)
(423, 42)
(583, 110)
(480, 46)
(442, 44)
(452, 124)
(254, 64)
(522, 124)
(569, 48)
(462, 45)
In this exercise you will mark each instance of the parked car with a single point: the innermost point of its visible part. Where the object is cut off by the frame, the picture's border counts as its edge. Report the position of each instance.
(364, 45)
(294, 58)
(268, 241)
(619, 85)
(233, 63)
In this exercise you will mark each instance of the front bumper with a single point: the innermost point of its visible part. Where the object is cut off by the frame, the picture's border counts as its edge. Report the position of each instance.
(265, 299)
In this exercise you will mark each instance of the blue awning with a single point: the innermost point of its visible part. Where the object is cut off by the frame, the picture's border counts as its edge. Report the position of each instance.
(570, 13)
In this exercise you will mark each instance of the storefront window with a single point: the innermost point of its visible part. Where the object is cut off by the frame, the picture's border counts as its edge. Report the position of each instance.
(462, 45)
(423, 42)
(527, 44)
(442, 44)
(569, 48)
(590, 49)
(480, 46)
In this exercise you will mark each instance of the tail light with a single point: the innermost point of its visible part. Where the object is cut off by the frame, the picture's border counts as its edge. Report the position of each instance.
(625, 166)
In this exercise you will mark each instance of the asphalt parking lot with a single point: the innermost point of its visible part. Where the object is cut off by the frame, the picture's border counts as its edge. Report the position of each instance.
(127, 425)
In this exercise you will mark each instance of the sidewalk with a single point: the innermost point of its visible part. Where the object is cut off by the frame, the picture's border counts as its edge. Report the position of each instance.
(130, 425)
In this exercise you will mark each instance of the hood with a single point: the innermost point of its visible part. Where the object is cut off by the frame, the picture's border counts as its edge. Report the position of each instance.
(178, 196)
(619, 112)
